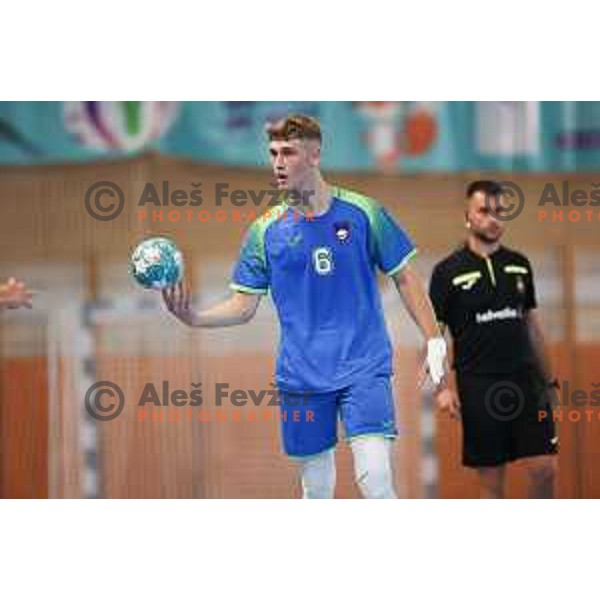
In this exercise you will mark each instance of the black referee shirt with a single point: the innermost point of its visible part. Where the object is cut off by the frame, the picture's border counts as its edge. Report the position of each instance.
(483, 302)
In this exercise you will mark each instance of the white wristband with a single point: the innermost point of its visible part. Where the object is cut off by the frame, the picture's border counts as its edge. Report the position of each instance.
(436, 355)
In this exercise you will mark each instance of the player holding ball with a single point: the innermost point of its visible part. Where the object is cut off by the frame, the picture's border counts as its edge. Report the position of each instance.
(320, 263)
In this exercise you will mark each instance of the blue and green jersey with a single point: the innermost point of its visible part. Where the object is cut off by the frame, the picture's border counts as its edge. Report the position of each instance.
(322, 275)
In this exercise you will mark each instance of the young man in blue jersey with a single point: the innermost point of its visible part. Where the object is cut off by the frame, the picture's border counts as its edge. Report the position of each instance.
(319, 258)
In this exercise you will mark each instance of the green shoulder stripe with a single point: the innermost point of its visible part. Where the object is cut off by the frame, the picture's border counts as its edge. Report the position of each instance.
(259, 226)
(368, 205)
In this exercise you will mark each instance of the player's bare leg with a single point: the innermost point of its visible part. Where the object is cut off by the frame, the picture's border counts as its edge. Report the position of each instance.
(491, 482)
(542, 474)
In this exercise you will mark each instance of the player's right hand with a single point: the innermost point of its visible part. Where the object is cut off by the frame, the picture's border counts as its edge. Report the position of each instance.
(447, 401)
(14, 294)
(178, 302)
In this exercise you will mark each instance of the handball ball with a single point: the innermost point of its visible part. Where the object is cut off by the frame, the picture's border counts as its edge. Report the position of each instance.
(156, 263)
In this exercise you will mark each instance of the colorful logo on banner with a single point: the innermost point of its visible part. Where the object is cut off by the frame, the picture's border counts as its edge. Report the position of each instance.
(125, 126)
(395, 129)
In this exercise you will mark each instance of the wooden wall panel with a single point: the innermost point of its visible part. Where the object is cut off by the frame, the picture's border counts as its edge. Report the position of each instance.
(589, 425)
(24, 428)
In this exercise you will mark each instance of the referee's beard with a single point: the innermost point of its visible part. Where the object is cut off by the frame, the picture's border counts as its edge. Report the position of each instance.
(487, 238)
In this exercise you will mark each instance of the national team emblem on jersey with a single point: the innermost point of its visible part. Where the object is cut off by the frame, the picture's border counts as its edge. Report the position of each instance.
(342, 230)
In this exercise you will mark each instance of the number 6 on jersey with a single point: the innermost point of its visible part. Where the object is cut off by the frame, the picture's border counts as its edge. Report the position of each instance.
(322, 260)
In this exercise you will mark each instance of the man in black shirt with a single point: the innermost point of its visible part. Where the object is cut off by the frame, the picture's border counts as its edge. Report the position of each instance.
(484, 294)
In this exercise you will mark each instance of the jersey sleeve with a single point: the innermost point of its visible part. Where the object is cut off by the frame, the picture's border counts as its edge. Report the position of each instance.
(392, 246)
(250, 273)
(439, 293)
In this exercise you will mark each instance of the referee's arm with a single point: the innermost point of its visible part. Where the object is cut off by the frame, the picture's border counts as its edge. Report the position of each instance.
(534, 326)
(538, 343)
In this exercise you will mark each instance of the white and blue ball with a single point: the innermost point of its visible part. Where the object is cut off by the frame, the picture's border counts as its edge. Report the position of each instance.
(156, 263)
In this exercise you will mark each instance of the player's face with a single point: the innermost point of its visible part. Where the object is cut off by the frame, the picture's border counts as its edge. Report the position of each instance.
(292, 161)
(482, 221)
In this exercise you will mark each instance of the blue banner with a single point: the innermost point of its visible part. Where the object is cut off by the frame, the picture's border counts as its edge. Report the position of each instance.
(408, 137)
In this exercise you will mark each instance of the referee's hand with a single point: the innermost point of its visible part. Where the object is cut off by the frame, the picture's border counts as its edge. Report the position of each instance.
(447, 401)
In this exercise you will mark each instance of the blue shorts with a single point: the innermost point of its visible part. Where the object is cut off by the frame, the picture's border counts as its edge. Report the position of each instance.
(309, 421)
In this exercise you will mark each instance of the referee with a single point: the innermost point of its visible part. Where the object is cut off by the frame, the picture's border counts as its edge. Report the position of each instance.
(484, 294)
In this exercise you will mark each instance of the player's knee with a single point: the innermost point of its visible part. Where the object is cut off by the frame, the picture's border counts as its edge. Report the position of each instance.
(375, 483)
(317, 476)
(372, 468)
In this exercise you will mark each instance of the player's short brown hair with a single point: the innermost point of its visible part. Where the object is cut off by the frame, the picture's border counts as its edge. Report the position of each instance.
(294, 127)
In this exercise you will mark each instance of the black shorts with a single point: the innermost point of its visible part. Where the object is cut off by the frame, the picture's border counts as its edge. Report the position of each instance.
(501, 418)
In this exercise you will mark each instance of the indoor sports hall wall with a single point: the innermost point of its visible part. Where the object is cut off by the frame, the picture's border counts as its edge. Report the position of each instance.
(91, 323)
